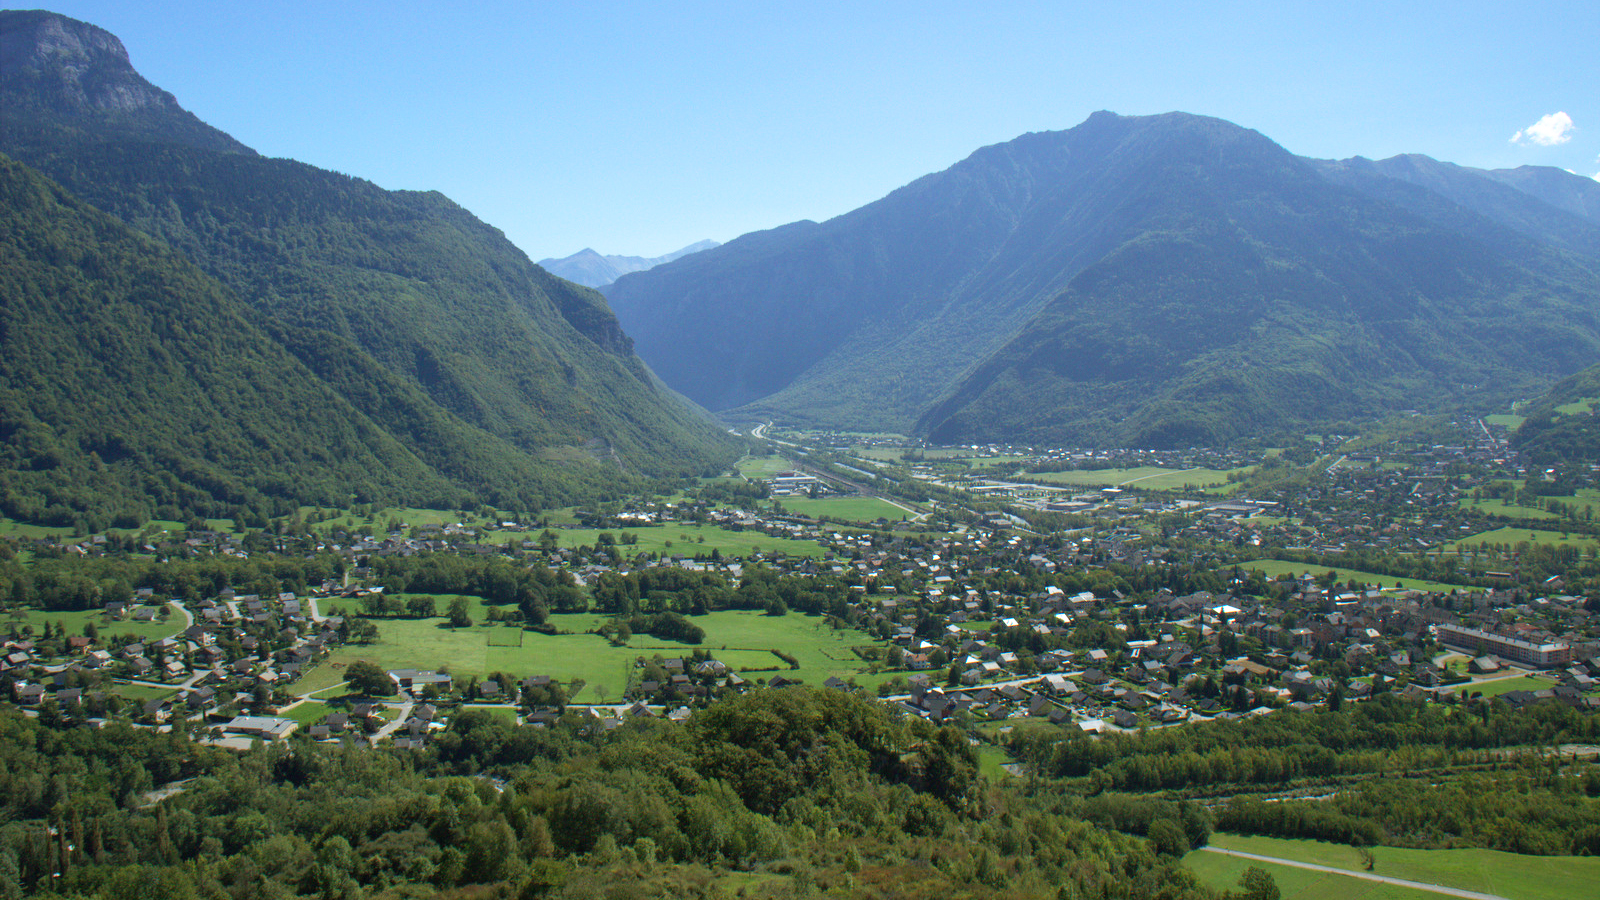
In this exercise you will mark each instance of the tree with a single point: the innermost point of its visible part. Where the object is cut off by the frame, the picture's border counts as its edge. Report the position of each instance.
(369, 680)
(459, 617)
(1258, 884)
(422, 606)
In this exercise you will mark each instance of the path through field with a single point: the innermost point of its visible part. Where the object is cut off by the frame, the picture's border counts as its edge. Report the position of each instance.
(1416, 885)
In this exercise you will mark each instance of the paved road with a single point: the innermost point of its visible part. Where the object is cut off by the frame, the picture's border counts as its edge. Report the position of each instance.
(1417, 885)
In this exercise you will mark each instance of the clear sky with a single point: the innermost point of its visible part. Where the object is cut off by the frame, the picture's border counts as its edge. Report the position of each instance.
(638, 128)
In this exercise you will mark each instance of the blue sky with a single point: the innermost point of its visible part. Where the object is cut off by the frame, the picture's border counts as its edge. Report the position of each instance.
(637, 128)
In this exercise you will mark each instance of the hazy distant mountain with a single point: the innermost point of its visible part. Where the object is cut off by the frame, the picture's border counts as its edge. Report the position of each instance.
(504, 383)
(589, 268)
(1134, 280)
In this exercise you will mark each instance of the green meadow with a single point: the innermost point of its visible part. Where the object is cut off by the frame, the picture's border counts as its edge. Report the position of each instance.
(1515, 536)
(740, 639)
(76, 620)
(1153, 478)
(1485, 871)
(1273, 568)
(850, 509)
(688, 540)
(1506, 685)
(759, 467)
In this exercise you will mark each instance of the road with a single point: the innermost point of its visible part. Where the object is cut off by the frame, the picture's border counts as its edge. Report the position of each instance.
(1415, 885)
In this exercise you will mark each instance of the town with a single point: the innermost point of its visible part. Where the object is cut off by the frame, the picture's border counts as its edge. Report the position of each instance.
(985, 587)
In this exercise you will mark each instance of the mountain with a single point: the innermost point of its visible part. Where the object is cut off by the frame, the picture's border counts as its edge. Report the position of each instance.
(517, 387)
(1562, 426)
(588, 268)
(1159, 280)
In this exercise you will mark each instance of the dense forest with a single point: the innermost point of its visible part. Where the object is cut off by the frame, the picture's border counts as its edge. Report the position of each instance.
(774, 794)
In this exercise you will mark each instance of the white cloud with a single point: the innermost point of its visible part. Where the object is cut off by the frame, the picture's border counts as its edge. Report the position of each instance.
(1549, 131)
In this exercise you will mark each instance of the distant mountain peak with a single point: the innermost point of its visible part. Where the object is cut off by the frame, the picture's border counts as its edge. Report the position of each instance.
(56, 71)
(590, 268)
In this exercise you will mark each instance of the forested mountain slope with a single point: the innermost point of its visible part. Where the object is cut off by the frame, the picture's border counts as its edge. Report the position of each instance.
(131, 383)
(517, 384)
(1562, 426)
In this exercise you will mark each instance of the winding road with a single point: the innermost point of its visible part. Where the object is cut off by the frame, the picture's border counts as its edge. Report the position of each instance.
(1416, 885)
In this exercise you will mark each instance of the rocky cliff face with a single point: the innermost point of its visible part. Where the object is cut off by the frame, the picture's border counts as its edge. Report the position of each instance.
(73, 65)
(58, 73)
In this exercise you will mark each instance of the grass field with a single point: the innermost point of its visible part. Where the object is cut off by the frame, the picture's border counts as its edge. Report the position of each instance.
(1510, 422)
(1494, 506)
(1485, 871)
(74, 622)
(691, 539)
(1152, 478)
(1515, 536)
(1506, 685)
(851, 509)
(1272, 568)
(739, 639)
(759, 467)
(142, 692)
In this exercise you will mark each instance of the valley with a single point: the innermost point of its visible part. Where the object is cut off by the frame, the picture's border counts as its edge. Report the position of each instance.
(1137, 510)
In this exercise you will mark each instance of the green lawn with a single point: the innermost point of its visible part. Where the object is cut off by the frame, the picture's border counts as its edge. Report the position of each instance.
(142, 692)
(1486, 871)
(851, 509)
(1272, 568)
(1511, 422)
(739, 639)
(1514, 536)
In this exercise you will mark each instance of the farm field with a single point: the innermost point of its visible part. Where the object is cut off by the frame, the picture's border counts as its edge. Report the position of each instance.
(1272, 568)
(1507, 420)
(851, 509)
(739, 639)
(688, 540)
(1486, 871)
(1514, 536)
(1152, 478)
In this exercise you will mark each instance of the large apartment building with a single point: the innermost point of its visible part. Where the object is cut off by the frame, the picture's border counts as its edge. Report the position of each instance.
(1479, 642)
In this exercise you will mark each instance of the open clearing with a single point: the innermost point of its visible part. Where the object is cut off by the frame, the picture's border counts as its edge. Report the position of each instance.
(1506, 685)
(688, 540)
(1515, 536)
(1273, 568)
(1485, 871)
(1152, 478)
(739, 639)
(759, 467)
(850, 509)
(74, 621)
